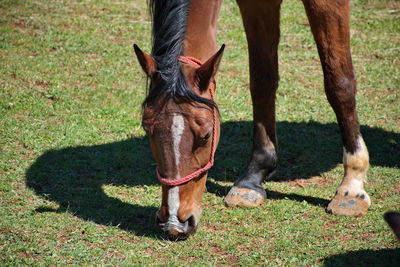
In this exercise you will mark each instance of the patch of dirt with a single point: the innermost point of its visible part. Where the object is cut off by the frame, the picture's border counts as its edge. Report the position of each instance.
(23, 24)
(117, 40)
(228, 257)
(51, 100)
(394, 191)
(78, 12)
(26, 255)
(28, 153)
(113, 254)
(213, 227)
(188, 259)
(20, 24)
(62, 239)
(43, 84)
(386, 4)
(244, 249)
(329, 224)
(318, 181)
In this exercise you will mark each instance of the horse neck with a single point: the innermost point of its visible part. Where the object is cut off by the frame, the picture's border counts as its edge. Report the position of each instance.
(200, 40)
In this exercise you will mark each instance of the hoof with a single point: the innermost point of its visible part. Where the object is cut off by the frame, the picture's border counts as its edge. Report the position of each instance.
(243, 197)
(349, 205)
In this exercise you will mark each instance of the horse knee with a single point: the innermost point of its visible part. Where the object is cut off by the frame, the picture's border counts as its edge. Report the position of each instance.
(341, 91)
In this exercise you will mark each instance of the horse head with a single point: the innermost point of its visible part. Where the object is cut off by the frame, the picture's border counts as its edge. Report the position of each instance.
(181, 121)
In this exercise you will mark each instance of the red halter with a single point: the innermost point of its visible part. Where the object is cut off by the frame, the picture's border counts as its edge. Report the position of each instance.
(165, 181)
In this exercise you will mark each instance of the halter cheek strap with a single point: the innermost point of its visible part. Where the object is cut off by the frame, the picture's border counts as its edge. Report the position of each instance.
(194, 62)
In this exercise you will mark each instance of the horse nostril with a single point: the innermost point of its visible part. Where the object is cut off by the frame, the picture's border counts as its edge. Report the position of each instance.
(192, 224)
(177, 230)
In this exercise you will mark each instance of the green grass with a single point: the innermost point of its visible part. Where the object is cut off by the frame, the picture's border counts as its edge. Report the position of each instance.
(77, 179)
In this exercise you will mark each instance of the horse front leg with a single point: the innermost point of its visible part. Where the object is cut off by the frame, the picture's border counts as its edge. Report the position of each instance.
(261, 22)
(329, 22)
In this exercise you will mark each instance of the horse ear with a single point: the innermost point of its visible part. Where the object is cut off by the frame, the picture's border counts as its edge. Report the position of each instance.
(206, 72)
(147, 62)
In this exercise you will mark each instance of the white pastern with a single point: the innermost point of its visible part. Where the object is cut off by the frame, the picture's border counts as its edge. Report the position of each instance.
(355, 167)
(177, 127)
(356, 164)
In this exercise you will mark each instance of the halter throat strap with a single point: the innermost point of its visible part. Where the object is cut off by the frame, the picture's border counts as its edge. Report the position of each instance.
(194, 62)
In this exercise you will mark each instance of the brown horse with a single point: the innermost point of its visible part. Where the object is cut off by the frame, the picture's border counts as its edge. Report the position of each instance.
(181, 118)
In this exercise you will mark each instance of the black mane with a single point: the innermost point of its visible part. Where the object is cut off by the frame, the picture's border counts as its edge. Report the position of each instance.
(169, 19)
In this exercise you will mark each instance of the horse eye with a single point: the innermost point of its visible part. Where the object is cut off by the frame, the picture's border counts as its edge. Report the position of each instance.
(205, 138)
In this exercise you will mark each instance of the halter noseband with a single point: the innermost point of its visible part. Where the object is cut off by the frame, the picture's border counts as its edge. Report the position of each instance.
(194, 62)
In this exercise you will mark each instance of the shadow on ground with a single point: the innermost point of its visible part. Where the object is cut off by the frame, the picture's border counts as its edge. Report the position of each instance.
(73, 177)
(306, 149)
(365, 257)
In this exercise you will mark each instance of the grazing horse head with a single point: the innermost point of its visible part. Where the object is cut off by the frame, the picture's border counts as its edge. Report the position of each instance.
(181, 120)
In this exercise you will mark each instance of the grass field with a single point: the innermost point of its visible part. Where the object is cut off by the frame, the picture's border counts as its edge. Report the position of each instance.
(77, 180)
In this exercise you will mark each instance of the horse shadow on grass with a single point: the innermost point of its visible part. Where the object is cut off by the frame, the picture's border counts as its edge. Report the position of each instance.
(366, 257)
(306, 149)
(74, 177)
